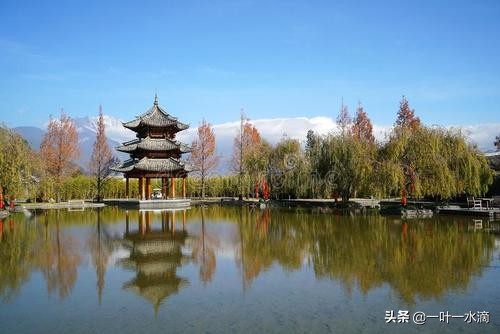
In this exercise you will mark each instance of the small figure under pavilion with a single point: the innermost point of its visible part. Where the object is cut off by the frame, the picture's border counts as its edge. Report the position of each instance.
(155, 154)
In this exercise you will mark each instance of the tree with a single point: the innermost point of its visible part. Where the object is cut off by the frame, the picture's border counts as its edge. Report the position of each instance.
(102, 158)
(343, 164)
(256, 162)
(287, 172)
(311, 141)
(343, 119)
(18, 163)
(406, 118)
(59, 149)
(247, 137)
(362, 128)
(497, 142)
(203, 155)
(432, 162)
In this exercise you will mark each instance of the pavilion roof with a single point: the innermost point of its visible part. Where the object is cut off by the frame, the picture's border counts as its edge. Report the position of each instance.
(152, 165)
(156, 290)
(157, 117)
(153, 144)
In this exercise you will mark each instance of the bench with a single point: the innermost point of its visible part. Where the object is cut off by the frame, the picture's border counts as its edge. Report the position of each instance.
(474, 203)
(76, 202)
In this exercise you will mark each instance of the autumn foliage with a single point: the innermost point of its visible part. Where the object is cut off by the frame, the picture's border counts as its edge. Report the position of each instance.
(203, 157)
(247, 139)
(406, 118)
(343, 119)
(102, 158)
(362, 128)
(59, 149)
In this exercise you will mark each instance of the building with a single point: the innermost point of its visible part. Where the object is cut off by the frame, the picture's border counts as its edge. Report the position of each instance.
(155, 153)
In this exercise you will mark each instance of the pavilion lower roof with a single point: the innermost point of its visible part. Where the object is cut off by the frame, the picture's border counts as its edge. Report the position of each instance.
(152, 165)
(153, 291)
(153, 144)
(155, 117)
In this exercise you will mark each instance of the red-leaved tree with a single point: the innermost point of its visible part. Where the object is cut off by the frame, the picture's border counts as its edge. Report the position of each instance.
(59, 149)
(203, 157)
(102, 158)
(406, 116)
(362, 128)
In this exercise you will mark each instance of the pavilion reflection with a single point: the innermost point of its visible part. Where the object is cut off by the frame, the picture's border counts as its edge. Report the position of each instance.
(155, 255)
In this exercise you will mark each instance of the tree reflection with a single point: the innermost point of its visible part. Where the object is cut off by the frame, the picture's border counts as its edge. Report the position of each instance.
(203, 252)
(16, 255)
(424, 259)
(101, 246)
(416, 258)
(58, 258)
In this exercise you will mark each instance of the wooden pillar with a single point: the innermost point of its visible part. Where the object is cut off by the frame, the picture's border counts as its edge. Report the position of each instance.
(141, 188)
(172, 188)
(183, 187)
(148, 190)
(166, 188)
(127, 190)
(163, 187)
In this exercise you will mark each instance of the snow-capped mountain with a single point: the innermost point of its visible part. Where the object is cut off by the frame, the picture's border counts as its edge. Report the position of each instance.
(272, 130)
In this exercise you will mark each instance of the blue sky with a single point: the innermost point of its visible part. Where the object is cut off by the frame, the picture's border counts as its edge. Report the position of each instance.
(272, 58)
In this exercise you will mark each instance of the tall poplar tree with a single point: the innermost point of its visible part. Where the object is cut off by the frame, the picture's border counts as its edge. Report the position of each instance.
(203, 155)
(102, 158)
(247, 136)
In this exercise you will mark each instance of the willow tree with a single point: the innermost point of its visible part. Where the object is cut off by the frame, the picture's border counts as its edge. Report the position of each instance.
(60, 149)
(203, 155)
(343, 160)
(343, 165)
(256, 162)
(17, 163)
(287, 170)
(432, 162)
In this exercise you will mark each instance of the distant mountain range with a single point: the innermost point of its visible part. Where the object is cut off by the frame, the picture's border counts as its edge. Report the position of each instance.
(270, 129)
(87, 129)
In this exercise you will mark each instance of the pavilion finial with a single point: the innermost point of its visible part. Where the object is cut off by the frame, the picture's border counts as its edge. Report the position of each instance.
(156, 99)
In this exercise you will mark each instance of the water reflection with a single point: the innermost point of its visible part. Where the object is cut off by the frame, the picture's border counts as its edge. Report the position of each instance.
(58, 257)
(417, 259)
(155, 255)
(101, 246)
(204, 252)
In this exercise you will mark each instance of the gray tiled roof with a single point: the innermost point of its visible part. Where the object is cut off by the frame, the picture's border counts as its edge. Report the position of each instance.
(153, 165)
(155, 117)
(153, 144)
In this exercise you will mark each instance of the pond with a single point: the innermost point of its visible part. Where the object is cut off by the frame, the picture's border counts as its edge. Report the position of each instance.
(236, 269)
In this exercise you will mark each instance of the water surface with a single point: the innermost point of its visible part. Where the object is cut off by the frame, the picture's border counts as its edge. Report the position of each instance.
(231, 269)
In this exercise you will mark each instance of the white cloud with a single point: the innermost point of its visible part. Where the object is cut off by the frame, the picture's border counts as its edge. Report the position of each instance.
(273, 129)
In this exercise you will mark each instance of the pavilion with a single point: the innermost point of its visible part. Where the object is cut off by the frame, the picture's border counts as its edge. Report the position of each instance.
(155, 154)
